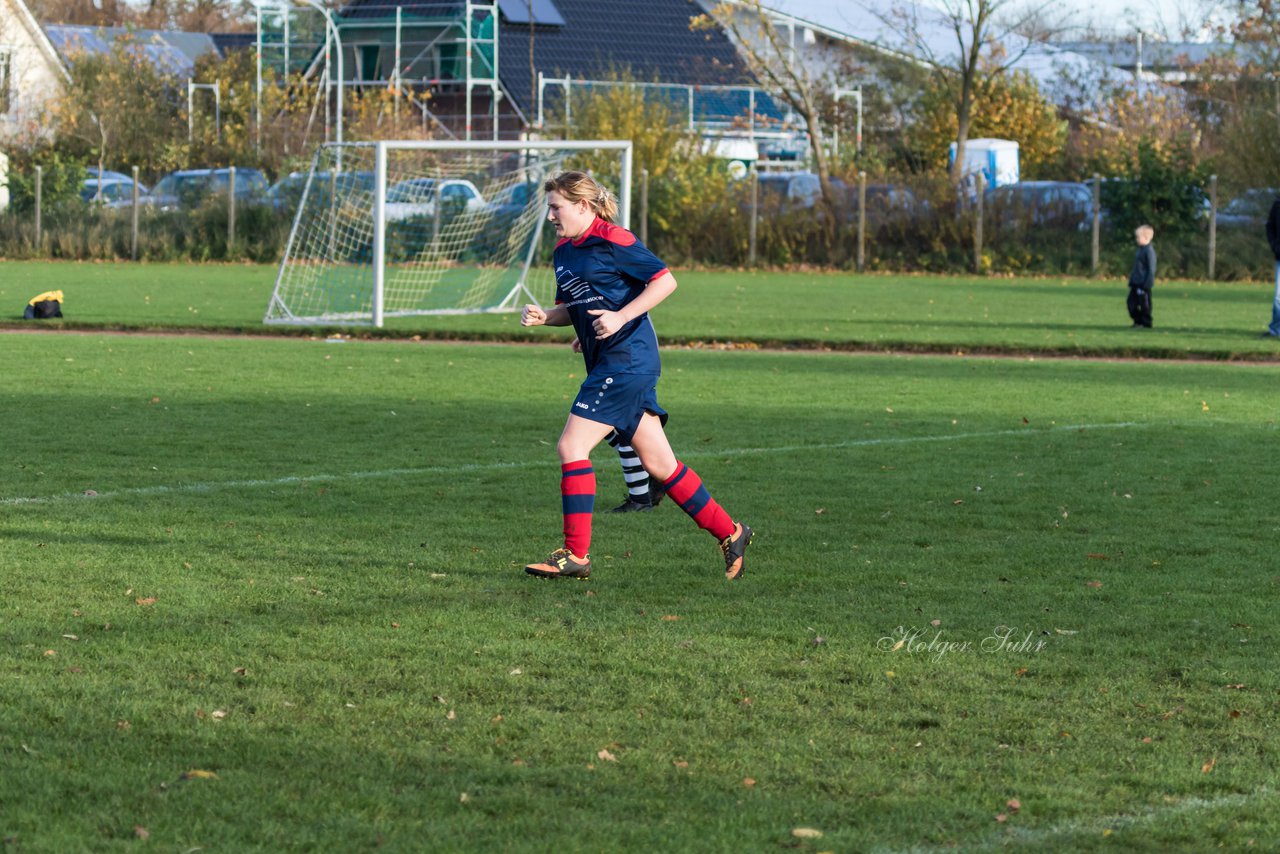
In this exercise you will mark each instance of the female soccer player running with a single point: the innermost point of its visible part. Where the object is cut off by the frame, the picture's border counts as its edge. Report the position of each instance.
(606, 283)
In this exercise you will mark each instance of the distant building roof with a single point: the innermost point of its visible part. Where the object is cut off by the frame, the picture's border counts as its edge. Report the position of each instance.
(652, 42)
(1162, 62)
(1153, 54)
(172, 52)
(598, 39)
(879, 24)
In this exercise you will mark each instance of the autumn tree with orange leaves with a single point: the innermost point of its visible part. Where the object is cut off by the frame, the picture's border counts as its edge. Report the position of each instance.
(1005, 106)
(118, 108)
(986, 39)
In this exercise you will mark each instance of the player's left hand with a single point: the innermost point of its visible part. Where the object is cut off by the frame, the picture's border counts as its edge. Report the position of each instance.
(533, 315)
(606, 322)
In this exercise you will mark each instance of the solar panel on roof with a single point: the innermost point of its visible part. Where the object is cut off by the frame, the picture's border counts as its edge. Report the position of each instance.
(77, 39)
(542, 11)
(165, 55)
(168, 59)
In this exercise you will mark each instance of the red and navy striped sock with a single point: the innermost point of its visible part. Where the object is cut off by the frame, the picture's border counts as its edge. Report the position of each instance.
(686, 489)
(577, 500)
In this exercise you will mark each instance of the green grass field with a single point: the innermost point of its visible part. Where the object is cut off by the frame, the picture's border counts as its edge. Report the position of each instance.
(264, 594)
(840, 311)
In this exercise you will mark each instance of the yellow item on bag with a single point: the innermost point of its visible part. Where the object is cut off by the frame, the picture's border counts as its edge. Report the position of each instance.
(55, 296)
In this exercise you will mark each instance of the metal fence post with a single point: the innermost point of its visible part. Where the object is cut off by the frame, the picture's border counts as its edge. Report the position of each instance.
(755, 205)
(862, 220)
(39, 205)
(133, 213)
(231, 210)
(1213, 223)
(1097, 223)
(644, 206)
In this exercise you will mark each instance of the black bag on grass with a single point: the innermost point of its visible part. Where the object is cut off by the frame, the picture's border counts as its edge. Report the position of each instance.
(44, 306)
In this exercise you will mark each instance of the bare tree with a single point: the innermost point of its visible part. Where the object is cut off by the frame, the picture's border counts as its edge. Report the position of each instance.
(1239, 92)
(95, 13)
(960, 41)
(1161, 20)
(767, 46)
(200, 16)
(196, 16)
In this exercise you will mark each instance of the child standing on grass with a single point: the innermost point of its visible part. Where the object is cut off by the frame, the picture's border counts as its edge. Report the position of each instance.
(1142, 278)
(606, 283)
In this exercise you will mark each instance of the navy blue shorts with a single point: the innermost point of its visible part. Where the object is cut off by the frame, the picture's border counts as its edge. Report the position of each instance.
(619, 400)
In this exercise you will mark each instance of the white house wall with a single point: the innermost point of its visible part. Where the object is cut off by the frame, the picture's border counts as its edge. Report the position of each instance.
(36, 76)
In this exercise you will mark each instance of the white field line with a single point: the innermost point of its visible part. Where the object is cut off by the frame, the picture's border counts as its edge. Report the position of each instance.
(1098, 826)
(467, 468)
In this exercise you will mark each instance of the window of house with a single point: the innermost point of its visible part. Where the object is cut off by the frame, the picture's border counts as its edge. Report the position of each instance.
(370, 68)
(6, 81)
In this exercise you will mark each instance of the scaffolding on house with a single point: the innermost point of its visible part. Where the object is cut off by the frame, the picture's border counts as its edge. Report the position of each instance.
(457, 42)
(459, 46)
(740, 122)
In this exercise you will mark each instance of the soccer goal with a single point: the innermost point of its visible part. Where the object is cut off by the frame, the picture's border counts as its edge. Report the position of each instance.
(404, 228)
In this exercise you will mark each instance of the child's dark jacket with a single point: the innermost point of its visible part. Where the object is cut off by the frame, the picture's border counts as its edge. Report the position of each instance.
(1143, 275)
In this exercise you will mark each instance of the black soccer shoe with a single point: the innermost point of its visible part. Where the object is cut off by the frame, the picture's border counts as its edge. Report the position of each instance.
(560, 564)
(734, 547)
(633, 505)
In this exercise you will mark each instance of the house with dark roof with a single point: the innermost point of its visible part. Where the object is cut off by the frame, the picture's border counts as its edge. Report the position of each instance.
(532, 54)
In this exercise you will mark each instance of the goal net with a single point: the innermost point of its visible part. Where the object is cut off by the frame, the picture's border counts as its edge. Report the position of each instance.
(397, 229)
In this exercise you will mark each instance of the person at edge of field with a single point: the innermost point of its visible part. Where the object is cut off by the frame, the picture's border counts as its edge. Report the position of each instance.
(606, 283)
(643, 492)
(1273, 237)
(1142, 278)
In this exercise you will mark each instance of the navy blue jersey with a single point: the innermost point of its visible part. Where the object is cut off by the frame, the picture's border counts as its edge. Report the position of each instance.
(606, 268)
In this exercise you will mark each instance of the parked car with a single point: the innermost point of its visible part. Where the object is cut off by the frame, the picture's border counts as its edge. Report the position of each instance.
(111, 192)
(95, 172)
(514, 198)
(499, 216)
(1249, 209)
(285, 194)
(789, 190)
(510, 202)
(188, 188)
(1042, 203)
(888, 204)
(417, 197)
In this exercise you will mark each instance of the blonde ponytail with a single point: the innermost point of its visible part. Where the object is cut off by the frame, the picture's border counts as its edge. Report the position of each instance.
(606, 205)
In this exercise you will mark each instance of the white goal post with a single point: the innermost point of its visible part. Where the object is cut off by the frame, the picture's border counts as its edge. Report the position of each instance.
(400, 228)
